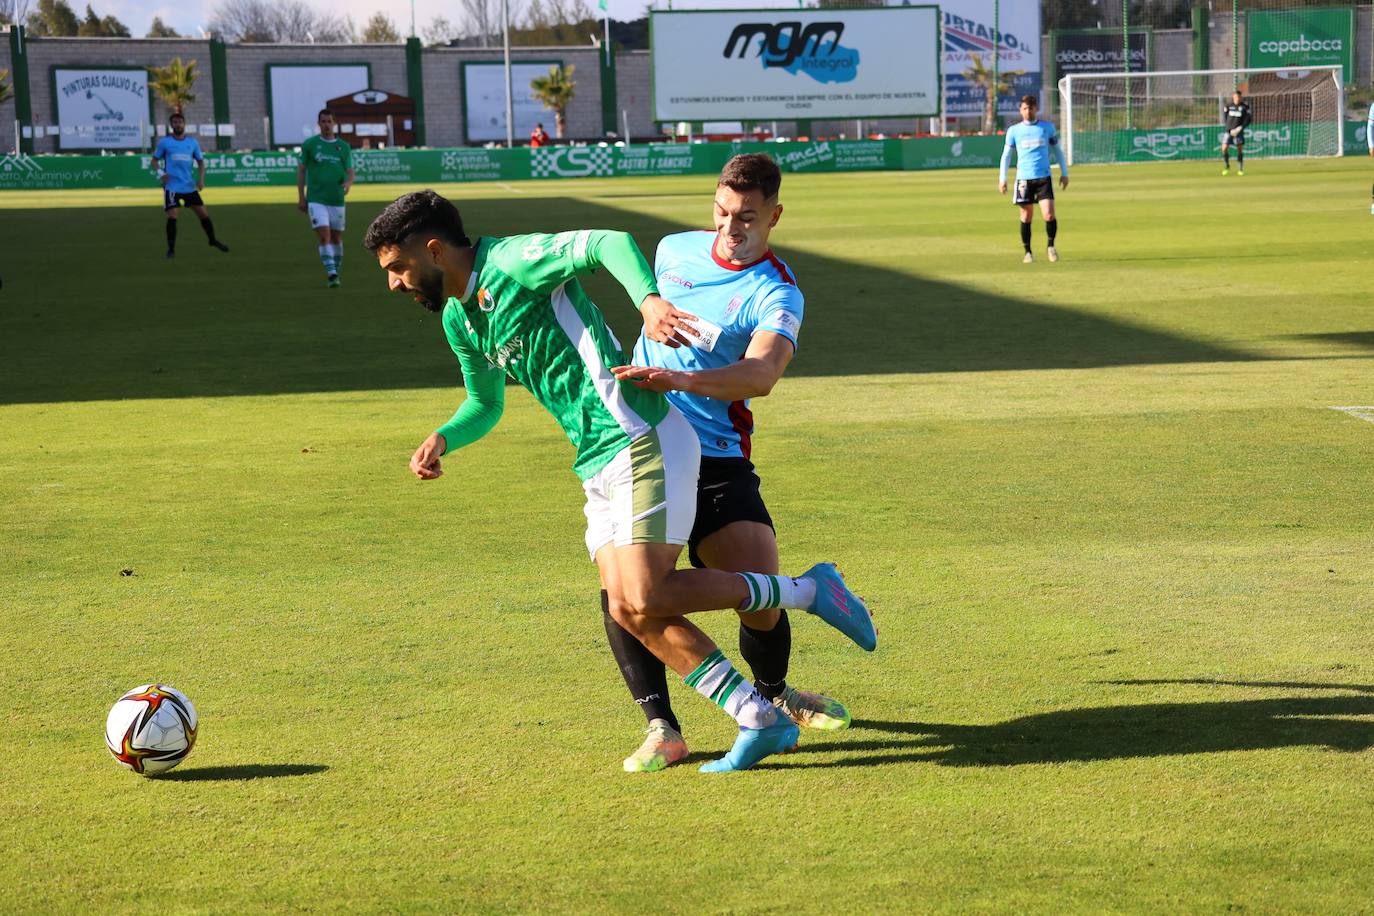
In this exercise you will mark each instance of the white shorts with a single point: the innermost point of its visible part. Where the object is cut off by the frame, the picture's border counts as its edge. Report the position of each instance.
(322, 215)
(648, 492)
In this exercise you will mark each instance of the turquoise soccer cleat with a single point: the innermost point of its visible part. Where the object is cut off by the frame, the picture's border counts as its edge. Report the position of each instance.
(754, 744)
(841, 608)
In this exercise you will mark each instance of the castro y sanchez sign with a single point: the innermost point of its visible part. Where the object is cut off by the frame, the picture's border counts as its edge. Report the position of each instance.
(770, 64)
(101, 108)
(1301, 37)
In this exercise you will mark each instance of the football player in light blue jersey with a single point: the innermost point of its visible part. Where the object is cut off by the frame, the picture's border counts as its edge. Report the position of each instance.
(1033, 140)
(173, 159)
(743, 314)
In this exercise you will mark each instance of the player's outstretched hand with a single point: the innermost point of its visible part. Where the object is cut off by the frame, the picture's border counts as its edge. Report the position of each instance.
(1063, 182)
(663, 322)
(660, 380)
(424, 464)
(1001, 187)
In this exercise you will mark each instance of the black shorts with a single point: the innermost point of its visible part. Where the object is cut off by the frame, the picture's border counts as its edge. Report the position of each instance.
(1033, 190)
(173, 199)
(727, 492)
(1229, 140)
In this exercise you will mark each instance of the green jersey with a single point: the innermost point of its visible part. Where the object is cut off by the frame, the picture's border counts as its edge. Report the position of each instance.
(326, 166)
(525, 314)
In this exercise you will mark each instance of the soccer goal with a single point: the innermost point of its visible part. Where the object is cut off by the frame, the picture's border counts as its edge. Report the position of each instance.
(1178, 114)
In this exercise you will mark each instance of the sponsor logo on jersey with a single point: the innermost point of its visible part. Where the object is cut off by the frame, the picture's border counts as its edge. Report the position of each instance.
(507, 353)
(786, 321)
(671, 277)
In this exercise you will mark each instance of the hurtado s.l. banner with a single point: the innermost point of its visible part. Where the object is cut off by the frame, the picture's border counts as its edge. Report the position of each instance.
(790, 64)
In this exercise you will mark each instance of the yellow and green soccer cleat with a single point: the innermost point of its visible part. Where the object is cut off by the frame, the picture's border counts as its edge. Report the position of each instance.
(812, 710)
(663, 746)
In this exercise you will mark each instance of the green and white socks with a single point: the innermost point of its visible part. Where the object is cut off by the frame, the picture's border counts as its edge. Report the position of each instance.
(767, 591)
(717, 680)
(331, 256)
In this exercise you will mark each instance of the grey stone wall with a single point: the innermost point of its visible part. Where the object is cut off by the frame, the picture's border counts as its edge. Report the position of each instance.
(46, 53)
(247, 72)
(444, 115)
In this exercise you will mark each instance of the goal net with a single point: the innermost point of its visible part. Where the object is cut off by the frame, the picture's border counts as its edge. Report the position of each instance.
(1149, 117)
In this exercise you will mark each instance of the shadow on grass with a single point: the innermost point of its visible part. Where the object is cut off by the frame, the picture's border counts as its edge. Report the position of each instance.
(243, 772)
(1354, 338)
(122, 322)
(1118, 732)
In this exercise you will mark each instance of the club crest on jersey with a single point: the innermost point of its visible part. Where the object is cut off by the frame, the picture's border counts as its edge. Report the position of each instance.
(485, 300)
(734, 305)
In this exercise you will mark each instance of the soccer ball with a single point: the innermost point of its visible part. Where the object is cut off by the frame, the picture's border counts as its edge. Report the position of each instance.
(151, 729)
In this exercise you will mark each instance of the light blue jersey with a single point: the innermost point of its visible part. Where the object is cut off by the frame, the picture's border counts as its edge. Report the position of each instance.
(178, 158)
(1033, 143)
(735, 302)
(1369, 128)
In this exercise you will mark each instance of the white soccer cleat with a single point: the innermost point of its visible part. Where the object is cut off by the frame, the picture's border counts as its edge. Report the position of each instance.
(1028, 258)
(1053, 253)
(663, 746)
(812, 710)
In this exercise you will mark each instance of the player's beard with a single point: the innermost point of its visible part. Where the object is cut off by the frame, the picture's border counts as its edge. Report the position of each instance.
(431, 291)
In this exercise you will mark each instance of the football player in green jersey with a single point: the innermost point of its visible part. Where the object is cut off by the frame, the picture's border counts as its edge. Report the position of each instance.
(323, 179)
(514, 306)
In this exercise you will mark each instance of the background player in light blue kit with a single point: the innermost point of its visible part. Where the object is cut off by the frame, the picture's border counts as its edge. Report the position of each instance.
(1033, 139)
(172, 163)
(746, 314)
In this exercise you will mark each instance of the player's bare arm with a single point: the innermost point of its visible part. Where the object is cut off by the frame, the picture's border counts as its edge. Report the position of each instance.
(300, 188)
(348, 181)
(752, 377)
(200, 176)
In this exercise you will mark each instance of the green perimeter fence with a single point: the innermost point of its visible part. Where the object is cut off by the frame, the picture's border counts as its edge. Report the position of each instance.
(19, 172)
(22, 172)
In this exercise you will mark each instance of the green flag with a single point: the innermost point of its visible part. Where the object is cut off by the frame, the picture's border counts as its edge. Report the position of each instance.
(602, 4)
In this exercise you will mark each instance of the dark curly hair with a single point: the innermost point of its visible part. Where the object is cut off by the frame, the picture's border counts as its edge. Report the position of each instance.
(752, 172)
(415, 213)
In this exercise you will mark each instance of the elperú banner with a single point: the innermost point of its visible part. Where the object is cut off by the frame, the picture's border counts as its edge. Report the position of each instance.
(789, 64)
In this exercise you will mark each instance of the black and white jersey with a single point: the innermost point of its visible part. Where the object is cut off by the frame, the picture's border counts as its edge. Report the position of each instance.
(1237, 115)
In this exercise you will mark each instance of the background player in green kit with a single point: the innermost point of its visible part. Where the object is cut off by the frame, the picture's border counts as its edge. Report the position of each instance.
(323, 179)
(514, 306)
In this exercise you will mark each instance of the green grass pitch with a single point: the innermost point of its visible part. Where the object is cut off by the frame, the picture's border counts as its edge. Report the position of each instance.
(1118, 543)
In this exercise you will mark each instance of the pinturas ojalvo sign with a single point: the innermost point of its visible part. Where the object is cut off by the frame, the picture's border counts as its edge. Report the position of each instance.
(789, 64)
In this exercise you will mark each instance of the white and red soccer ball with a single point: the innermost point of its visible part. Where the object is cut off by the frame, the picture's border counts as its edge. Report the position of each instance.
(151, 729)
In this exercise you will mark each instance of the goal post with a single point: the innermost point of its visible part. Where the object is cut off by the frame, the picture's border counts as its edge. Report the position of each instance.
(1178, 114)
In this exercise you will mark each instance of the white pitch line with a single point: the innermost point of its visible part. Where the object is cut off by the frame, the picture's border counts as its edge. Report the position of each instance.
(1360, 413)
(512, 188)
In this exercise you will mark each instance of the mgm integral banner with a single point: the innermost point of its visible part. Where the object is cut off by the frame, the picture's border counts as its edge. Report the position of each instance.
(755, 65)
(101, 108)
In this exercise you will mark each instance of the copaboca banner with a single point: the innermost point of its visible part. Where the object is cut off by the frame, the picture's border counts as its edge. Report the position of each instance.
(1279, 38)
(100, 108)
(973, 28)
(789, 64)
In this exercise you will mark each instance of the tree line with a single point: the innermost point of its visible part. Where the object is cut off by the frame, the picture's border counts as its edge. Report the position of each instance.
(476, 23)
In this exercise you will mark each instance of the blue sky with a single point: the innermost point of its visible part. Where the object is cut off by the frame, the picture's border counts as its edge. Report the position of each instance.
(188, 16)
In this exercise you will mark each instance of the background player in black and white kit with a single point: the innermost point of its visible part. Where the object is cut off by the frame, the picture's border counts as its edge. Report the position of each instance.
(1238, 118)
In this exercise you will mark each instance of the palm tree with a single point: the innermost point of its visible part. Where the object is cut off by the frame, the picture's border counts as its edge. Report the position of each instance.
(981, 76)
(5, 91)
(556, 92)
(174, 82)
